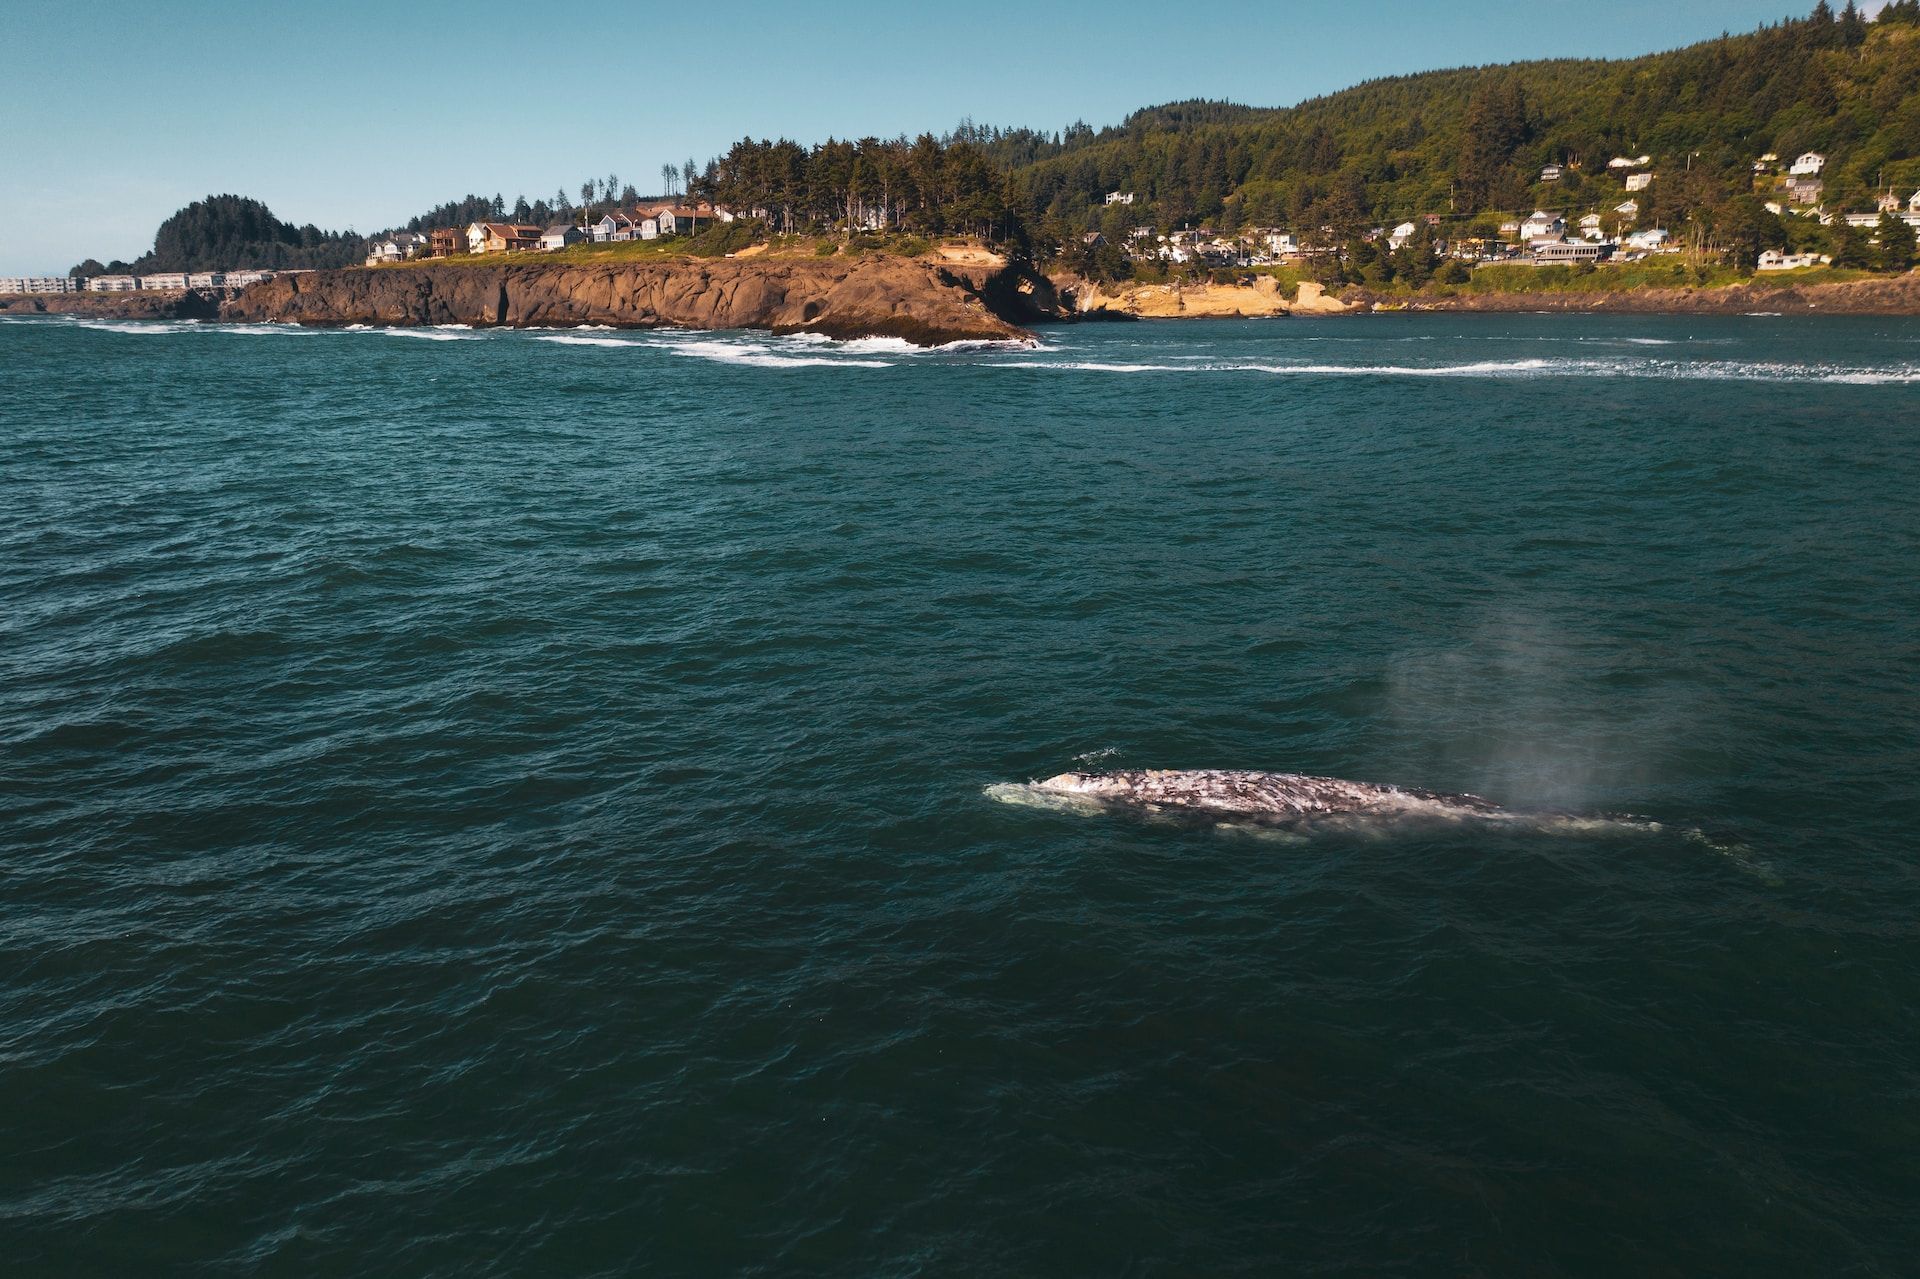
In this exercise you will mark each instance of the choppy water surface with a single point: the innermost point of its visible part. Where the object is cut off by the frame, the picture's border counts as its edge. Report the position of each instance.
(511, 803)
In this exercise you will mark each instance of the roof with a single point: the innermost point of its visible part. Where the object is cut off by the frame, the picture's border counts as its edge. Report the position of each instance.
(561, 227)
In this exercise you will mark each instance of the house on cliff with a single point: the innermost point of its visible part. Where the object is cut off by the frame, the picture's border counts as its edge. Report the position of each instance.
(398, 247)
(446, 241)
(678, 220)
(502, 237)
(614, 228)
(560, 235)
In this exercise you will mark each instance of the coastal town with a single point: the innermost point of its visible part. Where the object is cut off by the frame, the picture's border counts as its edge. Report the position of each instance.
(1613, 231)
(1588, 234)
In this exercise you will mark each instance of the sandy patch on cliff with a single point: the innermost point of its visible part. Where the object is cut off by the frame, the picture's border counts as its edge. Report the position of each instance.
(1200, 301)
(970, 255)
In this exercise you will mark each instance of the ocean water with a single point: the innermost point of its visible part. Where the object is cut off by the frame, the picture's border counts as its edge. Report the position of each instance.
(510, 803)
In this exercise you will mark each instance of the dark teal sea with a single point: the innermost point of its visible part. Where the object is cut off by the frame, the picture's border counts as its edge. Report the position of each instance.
(510, 803)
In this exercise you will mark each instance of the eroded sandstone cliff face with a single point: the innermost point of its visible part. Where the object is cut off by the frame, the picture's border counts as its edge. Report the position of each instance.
(923, 302)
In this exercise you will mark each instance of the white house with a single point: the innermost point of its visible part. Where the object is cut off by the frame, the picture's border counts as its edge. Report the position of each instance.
(1590, 227)
(1552, 173)
(560, 235)
(1543, 226)
(113, 284)
(206, 279)
(1628, 209)
(1808, 165)
(1399, 236)
(676, 221)
(1774, 260)
(1639, 181)
(398, 247)
(1119, 197)
(1646, 241)
(1283, 244)
(165, 280)
(240, 279)
(649, 228)
(1636, 162)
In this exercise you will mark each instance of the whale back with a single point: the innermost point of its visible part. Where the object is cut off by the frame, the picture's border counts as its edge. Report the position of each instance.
(1251, 793)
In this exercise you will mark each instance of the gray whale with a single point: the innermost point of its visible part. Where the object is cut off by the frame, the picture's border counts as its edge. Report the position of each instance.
(1244, 795)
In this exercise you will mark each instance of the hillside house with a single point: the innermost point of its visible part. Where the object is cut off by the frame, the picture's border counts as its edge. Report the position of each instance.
(1620, 162)
(1398, 237)
(444, 242)
(1552, 173)
(1765, 163)
(1805, 192)
(1808, 165)
(1510, 229)
(1119, 197)
(1543, 226)
(1639, 181)
(1628, 209)
(1650, 241)
(1774, 260)
(560, 235)
(1590, 227)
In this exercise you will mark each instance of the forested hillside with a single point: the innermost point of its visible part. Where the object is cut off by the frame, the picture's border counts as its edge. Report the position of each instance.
(1463, 142)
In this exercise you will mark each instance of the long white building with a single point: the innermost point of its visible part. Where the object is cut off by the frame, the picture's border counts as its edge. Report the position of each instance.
(38, 284)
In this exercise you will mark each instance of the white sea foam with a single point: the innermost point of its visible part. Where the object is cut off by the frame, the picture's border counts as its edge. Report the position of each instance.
(144, 327)
(433, 334)
(569, 339)
(760, 357)
(268, 330)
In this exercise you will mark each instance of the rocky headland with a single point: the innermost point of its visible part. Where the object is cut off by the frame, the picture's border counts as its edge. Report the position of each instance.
(921, 301)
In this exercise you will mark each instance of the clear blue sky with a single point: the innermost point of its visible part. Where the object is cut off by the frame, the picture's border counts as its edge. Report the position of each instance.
(348, 114)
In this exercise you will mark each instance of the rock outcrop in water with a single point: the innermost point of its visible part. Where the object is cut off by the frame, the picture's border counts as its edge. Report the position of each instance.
(923, 302)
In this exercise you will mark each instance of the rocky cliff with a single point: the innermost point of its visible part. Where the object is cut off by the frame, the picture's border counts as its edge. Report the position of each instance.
(921, 301)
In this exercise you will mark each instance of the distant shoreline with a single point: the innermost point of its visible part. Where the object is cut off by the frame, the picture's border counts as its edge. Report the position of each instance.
(927, 301)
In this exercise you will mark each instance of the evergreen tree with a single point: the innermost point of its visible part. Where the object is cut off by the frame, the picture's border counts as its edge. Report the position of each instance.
(1850, 247)
(1896, 248)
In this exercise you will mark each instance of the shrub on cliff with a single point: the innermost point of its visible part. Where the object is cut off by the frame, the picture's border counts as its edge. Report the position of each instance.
(723, 238)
